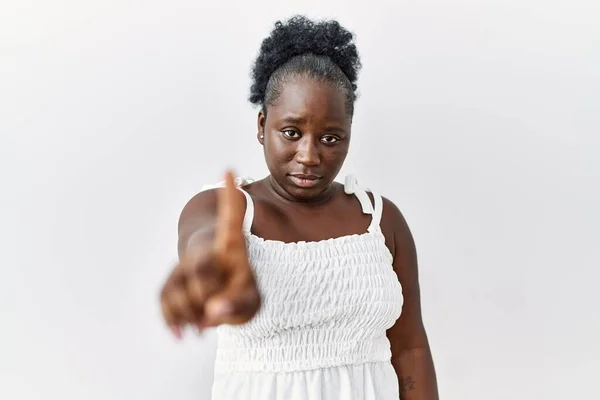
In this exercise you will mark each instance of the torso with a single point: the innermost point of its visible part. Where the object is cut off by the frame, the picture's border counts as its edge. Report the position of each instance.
(280, 220)
(329, 294)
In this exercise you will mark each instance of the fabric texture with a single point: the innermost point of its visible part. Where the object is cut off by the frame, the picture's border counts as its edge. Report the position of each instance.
(321, 331)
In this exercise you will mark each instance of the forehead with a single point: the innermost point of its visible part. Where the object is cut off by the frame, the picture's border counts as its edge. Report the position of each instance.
(308, 98)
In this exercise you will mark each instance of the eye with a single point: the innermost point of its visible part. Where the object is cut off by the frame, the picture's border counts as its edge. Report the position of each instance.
(330, 139)
(291, 134)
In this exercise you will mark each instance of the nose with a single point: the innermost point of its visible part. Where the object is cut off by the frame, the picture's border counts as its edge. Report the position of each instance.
(308, 153)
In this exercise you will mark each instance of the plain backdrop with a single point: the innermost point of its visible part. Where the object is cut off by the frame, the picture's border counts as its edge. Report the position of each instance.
(480, 119)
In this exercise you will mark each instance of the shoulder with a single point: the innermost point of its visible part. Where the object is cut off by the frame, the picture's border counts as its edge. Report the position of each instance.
(201, 205)
(395, 228)
(392, 215)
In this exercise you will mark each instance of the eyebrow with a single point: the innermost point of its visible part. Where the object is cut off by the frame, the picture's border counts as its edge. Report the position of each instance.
(301, 120)
(294, 120)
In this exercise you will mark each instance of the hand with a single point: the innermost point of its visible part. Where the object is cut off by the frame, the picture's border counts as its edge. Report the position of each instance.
(214, 284)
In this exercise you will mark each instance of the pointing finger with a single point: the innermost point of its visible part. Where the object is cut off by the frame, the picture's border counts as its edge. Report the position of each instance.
(230, 213)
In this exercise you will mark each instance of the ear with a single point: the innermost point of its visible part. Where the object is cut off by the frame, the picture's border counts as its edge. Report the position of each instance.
(261, 126)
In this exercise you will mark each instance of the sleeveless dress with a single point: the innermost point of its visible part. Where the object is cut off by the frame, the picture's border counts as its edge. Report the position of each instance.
(321, 331)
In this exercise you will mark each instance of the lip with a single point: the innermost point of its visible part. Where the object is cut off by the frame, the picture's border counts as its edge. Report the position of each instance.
(304, 180)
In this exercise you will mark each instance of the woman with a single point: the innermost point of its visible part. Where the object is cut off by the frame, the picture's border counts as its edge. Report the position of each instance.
(313, 284)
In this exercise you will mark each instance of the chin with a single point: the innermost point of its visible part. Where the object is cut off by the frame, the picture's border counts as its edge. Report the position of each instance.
(304, 193)
(309, 193)
(295, 191)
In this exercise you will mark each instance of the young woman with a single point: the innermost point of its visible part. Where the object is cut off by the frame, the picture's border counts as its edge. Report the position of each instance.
(313, 284)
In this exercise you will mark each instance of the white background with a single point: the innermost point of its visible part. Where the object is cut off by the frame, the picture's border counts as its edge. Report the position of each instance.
(480, 119)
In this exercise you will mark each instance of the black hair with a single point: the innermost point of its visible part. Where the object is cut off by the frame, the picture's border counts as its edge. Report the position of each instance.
(322, 50)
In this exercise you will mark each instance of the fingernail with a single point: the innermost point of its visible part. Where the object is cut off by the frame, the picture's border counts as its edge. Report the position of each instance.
(222, 309)
(176, 331)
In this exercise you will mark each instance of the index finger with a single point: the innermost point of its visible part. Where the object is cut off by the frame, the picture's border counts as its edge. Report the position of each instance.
(230, 211)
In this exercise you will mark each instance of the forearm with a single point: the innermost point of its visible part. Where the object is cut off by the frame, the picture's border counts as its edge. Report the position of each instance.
(416, 374)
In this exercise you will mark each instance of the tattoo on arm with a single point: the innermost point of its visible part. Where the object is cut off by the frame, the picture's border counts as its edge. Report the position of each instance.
(407, 384)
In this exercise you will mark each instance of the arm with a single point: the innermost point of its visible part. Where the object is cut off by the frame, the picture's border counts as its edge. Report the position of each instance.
(411, 355)
(213, 283)
(197, 221)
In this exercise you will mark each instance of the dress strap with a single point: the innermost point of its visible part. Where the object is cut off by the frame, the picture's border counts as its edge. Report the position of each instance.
(351, 186)
(239, 183)
(249, 215)
(376, 221)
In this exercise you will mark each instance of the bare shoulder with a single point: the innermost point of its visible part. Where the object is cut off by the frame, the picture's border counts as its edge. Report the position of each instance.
(393, 216)
(201, 209)
(197, 211)
(396, 229)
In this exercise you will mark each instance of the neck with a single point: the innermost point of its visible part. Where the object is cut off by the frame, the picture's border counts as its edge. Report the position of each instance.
(313, 202)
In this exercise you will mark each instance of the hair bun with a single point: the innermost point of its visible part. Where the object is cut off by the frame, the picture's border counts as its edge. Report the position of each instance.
(297, 36)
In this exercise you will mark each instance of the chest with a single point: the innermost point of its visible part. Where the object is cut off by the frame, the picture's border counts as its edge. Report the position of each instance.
(287, 224)
(346, 283)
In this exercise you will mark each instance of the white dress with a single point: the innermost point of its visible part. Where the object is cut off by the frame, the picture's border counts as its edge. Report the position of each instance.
(321, 331)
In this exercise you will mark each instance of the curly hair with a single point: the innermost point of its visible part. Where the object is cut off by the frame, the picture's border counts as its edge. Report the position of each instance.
(322, 50)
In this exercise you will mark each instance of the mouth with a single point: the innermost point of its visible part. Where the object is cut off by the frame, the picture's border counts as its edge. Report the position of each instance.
(304, 181)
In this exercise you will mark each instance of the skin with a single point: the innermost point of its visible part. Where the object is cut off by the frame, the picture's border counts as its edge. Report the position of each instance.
(213, 283)
(307, 131)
